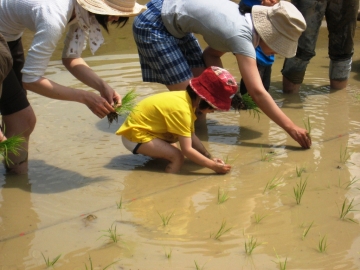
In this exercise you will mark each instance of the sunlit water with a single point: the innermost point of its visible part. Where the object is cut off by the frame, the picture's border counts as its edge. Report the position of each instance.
(78, 167)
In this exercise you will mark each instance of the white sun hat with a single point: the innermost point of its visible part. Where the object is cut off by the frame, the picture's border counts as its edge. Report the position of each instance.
(279, 26)
(124, 8)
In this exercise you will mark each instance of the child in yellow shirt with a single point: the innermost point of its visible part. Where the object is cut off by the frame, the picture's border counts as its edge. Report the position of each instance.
(159, 121)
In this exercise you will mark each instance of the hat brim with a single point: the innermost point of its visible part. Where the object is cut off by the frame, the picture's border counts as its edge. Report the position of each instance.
(199, 89)
(270, 35)
(100, 7)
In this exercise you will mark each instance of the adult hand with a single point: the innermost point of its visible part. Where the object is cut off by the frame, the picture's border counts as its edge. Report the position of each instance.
(98, 105)
(111, 96)
(301, 136)
(221, 168)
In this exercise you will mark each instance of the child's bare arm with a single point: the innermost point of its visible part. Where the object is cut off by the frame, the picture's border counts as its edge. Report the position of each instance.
(197, 145)
(197, 157)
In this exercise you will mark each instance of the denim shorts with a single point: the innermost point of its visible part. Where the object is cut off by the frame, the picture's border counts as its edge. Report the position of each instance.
(164, 58)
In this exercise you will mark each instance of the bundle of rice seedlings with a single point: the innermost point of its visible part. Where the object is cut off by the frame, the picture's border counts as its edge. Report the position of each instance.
(127, 105)
(11, 145)
(245, 102)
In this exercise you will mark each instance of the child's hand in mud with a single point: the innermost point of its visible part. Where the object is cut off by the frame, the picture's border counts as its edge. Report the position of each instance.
(220, 166)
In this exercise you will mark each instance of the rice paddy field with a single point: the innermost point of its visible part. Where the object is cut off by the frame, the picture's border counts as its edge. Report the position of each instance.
(87, 203)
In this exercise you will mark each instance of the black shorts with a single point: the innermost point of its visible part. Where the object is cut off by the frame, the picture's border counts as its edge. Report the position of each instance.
(13, 98)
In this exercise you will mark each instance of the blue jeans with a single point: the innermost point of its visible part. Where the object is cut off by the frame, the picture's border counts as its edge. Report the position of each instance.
(341, 18)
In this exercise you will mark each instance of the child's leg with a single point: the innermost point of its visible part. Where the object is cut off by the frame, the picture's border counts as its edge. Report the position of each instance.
(160, 149)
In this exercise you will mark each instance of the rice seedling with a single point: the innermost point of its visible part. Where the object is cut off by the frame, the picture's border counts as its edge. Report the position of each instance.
(119, 204)
(197, 266)
(346, 209)
(322, 246)
(11, 145)
(245, 102)
(266, 156)
(349, 184)
(258, 218)
(50, 263)
(222, 196)
(299, 190)
(168, 253)
(345, 154)
(165, 218)
(300, 170)
(111, 234)
(127, 106)
(282, 265)
(250, 244)
(306, 230)
(271, 184)
(221, 231)
(251, 106)
(307, 125)
(92, 268)
(230, 161)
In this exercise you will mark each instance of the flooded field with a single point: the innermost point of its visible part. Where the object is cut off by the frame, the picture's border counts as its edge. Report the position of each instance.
(82, 183)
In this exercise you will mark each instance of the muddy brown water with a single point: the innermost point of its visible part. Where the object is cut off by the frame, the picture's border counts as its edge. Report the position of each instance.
(79, 167)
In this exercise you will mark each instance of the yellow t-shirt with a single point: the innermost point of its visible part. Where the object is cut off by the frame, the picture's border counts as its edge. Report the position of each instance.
(165, 116)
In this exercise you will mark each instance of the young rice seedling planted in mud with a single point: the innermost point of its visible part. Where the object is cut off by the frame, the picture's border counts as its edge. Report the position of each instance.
(300, 170)
(282, 265)
(221, 231)
(258, 218)
(198, 266)
(111, 234)
(92, 268)
(346, 209)
(168, 253)
(322, 246)
(344, 154)
(166, 218)
(250, 244)
(305, 232)
(266, 156)
(222, 196)
(349, 184)
(50, 263)
(119, 204)
(299, 190)
(271, 184)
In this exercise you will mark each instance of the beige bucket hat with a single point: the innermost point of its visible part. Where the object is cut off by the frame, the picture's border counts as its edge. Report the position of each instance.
(279, 26)
(124, 8)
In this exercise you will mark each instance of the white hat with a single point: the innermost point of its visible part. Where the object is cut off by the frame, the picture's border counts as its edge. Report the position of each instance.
(124, 8)
(279, 26)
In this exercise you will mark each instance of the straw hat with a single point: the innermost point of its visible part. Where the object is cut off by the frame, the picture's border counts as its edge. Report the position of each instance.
(279, 26)
(125, 8)
(217, 86)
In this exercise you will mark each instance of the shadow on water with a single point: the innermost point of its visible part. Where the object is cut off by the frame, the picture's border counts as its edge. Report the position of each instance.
(49, 179)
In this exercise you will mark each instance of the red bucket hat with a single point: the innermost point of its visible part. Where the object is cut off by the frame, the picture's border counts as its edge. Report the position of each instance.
(216, 86)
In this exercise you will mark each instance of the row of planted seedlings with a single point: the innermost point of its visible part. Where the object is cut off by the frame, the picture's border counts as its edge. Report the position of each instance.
(344, 209)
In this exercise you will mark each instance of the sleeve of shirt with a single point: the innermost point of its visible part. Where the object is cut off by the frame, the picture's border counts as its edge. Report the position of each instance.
(50, 27)
(179, 123)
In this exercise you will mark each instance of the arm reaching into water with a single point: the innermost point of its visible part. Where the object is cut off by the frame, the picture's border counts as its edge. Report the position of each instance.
(186, 145)
(262, 98)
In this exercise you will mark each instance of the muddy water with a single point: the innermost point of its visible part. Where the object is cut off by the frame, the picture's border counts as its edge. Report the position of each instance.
(79, 167)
